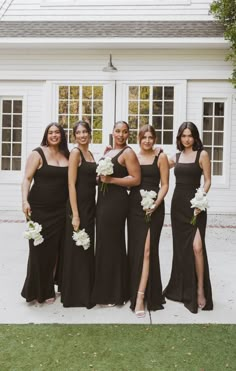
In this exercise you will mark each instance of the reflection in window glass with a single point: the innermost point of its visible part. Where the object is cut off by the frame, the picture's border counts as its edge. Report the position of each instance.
(153, 105)
(78, 102)
(213, 134)
(11, 134)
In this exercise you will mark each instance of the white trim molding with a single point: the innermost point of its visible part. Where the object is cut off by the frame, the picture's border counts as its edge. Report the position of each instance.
(77, 3)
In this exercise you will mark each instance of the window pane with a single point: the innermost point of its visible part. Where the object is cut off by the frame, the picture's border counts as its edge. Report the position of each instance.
(168, 137)
(133, 122)
(218, 139)
(207, 123)
(6, 164)
(6, 121)
(219, 109)
(208, 109)
(219, 123)
(73, 120)
(17, 121)
(133, 137)
(157, 92)
(97, 136)
(207, 138)
(16, 149)
(168, 122)
(16, 164)
(157, 122)
(7, 106)
(168, 108)
(63, 92)
(63, 121)
(157, 108)
(87, 92)
(158, 139)
(217, 168)
(98, 92)
(144, 108)
(86, 107)
(169, 92)
(97, 122)
(63, 107)
(209, 151)
(74, 107)
(17, 106)
(6, 149)
(97, 108)
(6, 135)
(144, 92)
(133, 108)
(218, 154)
(143, 120)
(133, 92)
(17, 135)
(74, 92)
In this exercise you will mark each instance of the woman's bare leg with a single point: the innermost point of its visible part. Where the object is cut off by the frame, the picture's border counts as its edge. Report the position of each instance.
(140, 306)
(199, 266)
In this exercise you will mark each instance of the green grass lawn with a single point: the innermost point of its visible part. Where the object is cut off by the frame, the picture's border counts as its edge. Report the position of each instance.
(118, 347)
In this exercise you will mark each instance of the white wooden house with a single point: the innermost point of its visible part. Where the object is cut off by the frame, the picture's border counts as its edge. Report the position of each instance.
(170, 60)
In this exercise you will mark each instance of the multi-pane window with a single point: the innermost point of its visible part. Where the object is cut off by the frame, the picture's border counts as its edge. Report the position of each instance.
(153, 105)
(80, 102)
(213, 133)
(11, 134)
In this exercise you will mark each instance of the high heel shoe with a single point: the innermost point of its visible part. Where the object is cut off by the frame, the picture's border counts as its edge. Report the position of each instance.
(140, 313)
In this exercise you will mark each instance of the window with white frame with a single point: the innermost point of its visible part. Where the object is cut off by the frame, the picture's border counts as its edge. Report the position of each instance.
(78, 102)
(11, 133)
(153, 105)
(213, 133)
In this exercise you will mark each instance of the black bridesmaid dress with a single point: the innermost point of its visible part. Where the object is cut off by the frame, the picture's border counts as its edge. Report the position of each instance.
(78, 264)
(182, 286)
(47, 198)
(111, 274)
(137, 233)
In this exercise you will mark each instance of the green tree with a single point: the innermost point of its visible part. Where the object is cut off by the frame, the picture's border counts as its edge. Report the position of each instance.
(225, 12)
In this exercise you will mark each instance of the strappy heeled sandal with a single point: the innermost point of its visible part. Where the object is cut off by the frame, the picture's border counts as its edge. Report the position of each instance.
(140, 313)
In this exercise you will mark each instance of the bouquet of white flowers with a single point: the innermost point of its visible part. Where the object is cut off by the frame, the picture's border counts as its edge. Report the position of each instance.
(148, 201)
(105, 167)
(32, 231)
(199, 201)
(81, 238)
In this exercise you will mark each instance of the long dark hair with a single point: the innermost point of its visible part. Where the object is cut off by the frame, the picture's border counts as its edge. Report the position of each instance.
(144, 129)
(197, 145)
(85, 124)
(63, 147)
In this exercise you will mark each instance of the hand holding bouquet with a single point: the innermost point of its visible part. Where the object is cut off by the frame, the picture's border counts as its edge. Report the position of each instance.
(105, 167)
(200, 202)
(32, 231)
(148, 202)
(81, 238)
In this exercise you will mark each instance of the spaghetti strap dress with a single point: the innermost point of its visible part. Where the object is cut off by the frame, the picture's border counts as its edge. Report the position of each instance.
(111, 262)
(182, 285)
(78, 264)
(47, 198)
(137, 233)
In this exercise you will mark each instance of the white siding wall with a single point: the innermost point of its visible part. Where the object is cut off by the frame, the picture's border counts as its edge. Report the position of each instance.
(174, 10)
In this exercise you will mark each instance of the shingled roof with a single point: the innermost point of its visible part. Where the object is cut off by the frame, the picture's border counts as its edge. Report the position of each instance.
(111, 29)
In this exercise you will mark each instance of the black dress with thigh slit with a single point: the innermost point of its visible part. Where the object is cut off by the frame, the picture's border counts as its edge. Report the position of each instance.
(182, 286)
(111, 274)
(78, 264)
(47, 198)
(137, 233)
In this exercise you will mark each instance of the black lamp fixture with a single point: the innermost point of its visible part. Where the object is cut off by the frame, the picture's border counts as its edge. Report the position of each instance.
(110, 67)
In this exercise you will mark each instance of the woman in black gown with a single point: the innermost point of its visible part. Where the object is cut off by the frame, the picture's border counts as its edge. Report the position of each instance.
(111, 274)
(78, 264)
(45, 202)
(190, 281)
(143, 237)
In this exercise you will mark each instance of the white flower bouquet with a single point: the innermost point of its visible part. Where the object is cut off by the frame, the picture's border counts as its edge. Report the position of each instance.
(200, 202)
(148, 201)
(32, 231)
(105, 167)
(81, 238)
